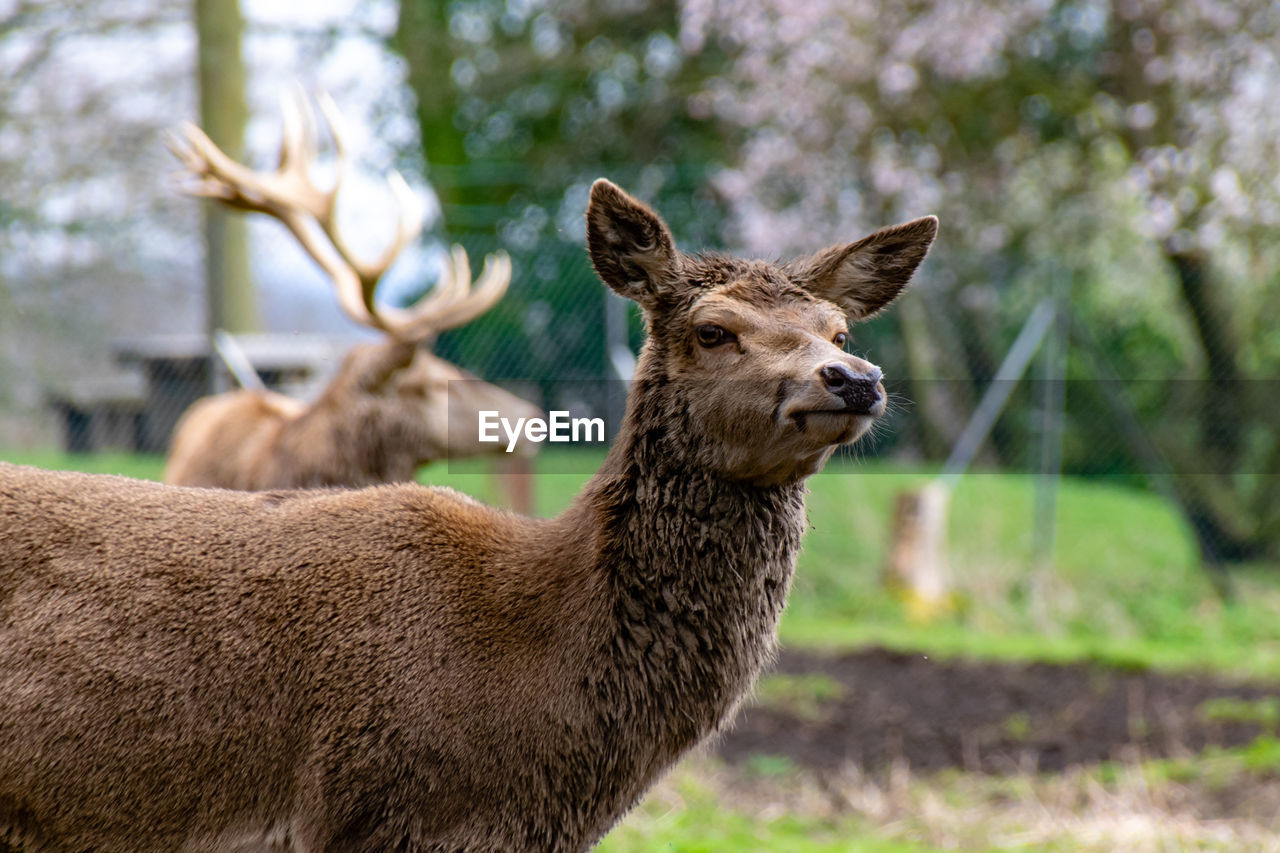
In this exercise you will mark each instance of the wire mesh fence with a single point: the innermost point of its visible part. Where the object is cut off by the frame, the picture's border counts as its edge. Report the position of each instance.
(558, 330)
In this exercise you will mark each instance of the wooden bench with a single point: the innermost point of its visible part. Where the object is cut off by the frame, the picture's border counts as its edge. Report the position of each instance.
(164, 374)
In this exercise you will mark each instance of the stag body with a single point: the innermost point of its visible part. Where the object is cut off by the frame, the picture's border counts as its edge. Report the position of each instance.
(391, 408)
(403, 668)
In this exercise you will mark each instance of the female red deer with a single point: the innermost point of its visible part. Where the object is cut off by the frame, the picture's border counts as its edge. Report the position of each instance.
(403, 668)
(392, 406)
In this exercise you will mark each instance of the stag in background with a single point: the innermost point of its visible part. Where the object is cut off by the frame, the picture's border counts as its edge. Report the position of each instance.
(392, 406)
(403, 668)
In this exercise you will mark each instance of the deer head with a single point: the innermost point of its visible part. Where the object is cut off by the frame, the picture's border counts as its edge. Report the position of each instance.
(754, 351)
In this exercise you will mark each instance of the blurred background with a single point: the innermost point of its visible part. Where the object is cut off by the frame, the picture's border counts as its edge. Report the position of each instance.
(1082, 468)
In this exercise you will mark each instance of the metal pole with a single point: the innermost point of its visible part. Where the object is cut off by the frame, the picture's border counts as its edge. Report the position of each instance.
(1052, 406)
(924, 571)
(1011, 369)
(237, 360)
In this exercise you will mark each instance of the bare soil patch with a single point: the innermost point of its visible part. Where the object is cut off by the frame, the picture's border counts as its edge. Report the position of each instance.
(891, 707)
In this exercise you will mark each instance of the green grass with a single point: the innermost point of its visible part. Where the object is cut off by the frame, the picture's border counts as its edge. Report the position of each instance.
(688, 816)
(142, 466)
(1261, 712)
(1215, 767)
(1125, 588)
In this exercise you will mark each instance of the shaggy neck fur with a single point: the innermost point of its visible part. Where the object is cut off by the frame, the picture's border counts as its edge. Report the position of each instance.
(699, 569)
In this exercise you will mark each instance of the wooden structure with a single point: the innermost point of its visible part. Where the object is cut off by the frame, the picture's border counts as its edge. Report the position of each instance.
(164, 374)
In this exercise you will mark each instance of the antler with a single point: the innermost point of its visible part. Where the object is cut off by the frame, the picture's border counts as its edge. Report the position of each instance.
(289, 195)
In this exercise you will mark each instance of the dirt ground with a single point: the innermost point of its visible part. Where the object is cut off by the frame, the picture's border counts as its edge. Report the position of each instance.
(875, 707)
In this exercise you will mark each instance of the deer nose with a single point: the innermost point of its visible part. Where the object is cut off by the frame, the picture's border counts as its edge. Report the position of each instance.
(859, 391)
(836, 376)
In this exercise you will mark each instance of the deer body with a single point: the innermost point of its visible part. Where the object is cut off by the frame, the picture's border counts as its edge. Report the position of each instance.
(403, 668)
(342, 680)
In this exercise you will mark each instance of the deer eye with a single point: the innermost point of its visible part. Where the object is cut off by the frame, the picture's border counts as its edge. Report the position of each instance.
(840, 339)
(711, 336)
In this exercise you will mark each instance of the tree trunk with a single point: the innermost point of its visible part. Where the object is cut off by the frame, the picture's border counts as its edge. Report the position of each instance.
(1221, 415)
(1215, 508)
(422, 38)
(232, 301)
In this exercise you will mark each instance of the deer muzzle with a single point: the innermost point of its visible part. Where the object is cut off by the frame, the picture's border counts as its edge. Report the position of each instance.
(857, 393)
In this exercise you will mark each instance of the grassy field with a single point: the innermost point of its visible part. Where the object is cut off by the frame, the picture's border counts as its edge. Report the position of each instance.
(1126, 590)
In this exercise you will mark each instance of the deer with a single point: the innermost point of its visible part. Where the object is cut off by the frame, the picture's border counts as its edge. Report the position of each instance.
(404, 668)
(392, 406)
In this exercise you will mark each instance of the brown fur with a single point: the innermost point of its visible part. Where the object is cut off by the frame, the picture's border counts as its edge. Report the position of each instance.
(391, 408)
(402, 668)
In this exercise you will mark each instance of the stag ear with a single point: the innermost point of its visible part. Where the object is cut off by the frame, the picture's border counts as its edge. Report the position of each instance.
(630, 246)
(864, 277)
(371, 367)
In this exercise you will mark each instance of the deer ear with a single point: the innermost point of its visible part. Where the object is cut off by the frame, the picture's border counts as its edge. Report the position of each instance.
(630, 246)
(371, 367)
(864, 277)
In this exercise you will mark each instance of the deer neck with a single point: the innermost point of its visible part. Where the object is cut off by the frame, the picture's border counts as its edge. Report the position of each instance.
(698, 568)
